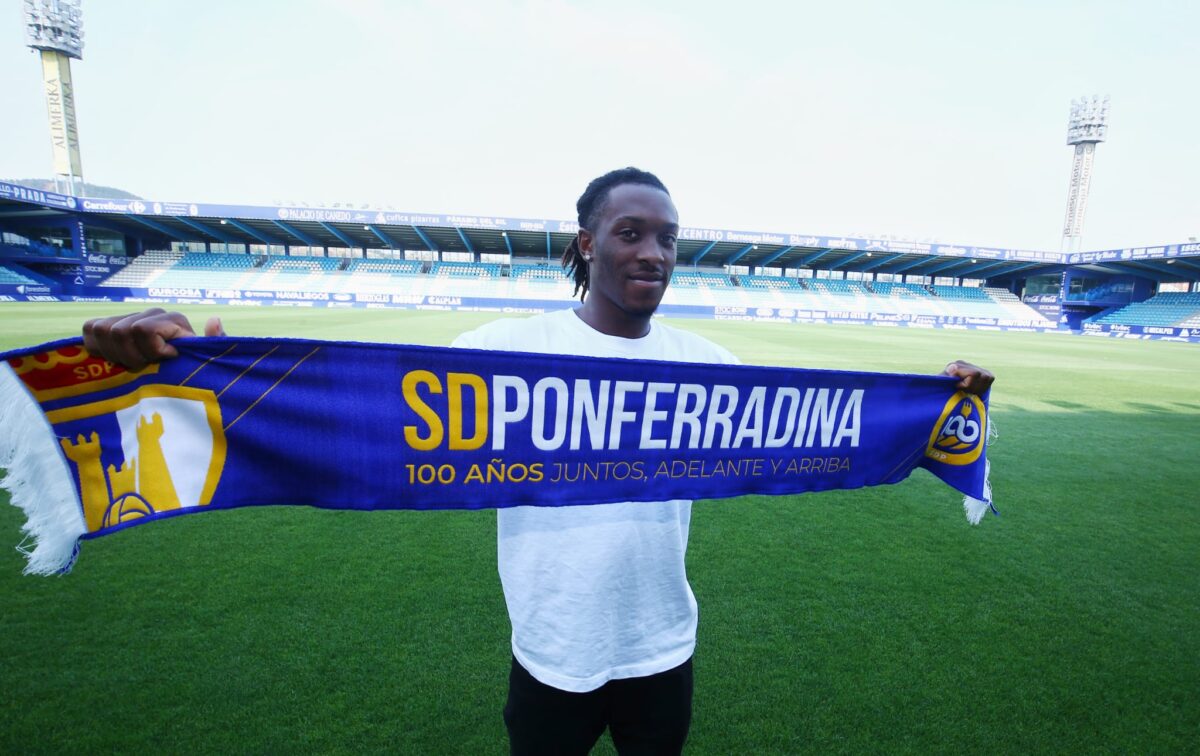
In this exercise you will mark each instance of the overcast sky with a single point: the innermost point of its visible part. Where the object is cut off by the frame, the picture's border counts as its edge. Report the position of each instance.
(920, 119)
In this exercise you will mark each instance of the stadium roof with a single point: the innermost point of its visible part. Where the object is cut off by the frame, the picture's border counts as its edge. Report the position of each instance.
(367, 227)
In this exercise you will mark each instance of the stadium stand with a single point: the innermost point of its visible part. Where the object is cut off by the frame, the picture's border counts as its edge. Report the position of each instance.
(146, 269)
(385, 267)
(553, 274)
(770, 291)
(769, 283)
(836, 288)
(690, 286)
(699, 279)
(381, 276)
(549, 282)
(9, 276)
(963, 293)
(540, 282)
(463, 280)
(207, 270)
(465, 270)
(298, 274)
(1168, 309)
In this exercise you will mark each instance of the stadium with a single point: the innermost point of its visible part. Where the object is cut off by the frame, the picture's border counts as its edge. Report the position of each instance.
(64, 248)
(870, 620)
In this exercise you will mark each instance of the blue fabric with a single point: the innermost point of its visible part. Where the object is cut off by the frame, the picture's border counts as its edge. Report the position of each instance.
(235, 422)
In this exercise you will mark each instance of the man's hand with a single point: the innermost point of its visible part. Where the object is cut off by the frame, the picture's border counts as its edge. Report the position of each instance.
(974, 380)
(141, 338)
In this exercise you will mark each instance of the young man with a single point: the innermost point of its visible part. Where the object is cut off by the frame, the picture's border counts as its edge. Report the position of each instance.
(603, 618)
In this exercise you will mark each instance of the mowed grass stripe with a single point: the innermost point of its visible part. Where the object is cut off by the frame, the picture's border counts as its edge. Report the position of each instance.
(873, 620)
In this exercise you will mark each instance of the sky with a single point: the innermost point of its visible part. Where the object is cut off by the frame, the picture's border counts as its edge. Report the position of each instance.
(920, 120)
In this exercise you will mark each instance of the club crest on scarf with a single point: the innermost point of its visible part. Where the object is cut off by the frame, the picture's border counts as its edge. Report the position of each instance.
(155, 449)
(958, 438)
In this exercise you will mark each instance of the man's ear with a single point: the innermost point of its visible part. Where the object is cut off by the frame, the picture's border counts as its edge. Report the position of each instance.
(585, 239)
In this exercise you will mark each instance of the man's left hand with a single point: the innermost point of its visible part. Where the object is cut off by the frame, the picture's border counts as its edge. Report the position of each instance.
(972, 379)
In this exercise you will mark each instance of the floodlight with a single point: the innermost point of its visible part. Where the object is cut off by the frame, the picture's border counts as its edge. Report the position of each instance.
(55, 29)
(1088, 121)
(55, 25)
(1087, 126)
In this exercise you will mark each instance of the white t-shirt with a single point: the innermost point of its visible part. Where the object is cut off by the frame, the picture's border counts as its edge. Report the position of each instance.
(598, 592)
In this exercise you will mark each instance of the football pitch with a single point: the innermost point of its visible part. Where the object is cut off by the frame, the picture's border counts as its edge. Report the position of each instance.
(874, 620)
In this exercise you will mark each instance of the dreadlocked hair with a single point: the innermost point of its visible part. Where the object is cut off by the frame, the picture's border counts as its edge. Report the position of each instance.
(589, 206)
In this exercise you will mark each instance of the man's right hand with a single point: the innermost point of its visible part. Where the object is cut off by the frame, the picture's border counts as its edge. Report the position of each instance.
(141, 338)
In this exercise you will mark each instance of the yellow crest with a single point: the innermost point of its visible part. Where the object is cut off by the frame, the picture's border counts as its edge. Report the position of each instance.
(959, 435)
(173, 446)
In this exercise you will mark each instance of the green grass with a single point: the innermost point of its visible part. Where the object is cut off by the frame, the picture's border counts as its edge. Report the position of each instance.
(873, 620)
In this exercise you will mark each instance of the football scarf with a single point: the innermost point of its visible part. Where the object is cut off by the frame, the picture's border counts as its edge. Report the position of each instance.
(91, 448)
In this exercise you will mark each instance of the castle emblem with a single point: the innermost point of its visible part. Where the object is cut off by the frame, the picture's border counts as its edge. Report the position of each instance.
(156, 449)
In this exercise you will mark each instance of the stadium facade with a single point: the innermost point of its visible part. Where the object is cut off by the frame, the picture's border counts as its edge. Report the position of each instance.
(59, 247)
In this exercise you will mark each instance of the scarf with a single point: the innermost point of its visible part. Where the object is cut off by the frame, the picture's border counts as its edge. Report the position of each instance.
(91, 448)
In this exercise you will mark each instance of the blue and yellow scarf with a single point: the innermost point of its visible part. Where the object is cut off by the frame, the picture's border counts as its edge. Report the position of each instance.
(91, 448)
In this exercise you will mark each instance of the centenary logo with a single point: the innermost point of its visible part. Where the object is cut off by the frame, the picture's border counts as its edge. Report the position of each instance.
(958, 437)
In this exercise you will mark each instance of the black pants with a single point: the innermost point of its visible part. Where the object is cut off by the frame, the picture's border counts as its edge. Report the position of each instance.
(646, 715)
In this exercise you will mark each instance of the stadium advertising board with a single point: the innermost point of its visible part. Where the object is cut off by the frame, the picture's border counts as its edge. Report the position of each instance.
(27, 293)
(1120, 330)
(1049, 305)
(1136, 253)
(91, 272)
(246, 298)
(37, 196)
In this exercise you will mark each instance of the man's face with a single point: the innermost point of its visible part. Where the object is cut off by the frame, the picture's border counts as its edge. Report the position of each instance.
(632, 251)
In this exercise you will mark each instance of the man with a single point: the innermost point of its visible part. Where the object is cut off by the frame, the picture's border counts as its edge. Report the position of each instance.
(603, 618)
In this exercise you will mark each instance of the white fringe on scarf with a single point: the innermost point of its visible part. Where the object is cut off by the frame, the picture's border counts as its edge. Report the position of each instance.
(977, 508)
(38, 480)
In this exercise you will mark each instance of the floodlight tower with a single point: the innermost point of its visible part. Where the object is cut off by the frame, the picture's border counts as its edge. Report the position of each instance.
(1087, 127)
(55, 27)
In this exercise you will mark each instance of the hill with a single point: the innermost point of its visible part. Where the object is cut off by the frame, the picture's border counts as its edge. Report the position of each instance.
(83, 190)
